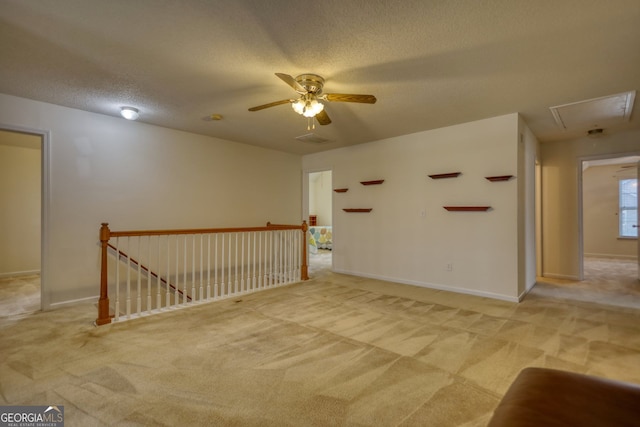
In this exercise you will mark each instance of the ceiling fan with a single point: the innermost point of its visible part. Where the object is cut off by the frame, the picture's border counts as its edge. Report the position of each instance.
(309, 87)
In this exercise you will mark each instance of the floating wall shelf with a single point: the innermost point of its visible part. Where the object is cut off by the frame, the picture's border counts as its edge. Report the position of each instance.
(467, 208)
(357, 210)
(499, 178)
(340, 190)
(376, 182)
(445, 175)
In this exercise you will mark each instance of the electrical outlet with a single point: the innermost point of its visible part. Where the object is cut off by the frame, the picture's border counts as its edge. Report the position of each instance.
(450, 267)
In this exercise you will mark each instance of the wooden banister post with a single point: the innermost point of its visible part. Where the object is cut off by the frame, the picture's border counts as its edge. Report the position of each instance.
(103, 302)
(304, 269)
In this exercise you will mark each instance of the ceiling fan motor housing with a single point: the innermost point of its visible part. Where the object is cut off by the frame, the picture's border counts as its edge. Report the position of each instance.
(313, 83)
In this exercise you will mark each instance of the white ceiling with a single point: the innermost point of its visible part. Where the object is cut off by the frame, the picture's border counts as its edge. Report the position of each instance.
(430, 63)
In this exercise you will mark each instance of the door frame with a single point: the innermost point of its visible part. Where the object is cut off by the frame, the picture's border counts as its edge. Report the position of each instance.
(305, 200)
(579, 165)
(45, 208)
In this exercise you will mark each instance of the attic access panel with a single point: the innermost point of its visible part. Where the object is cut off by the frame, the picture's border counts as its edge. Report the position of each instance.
(597, 112)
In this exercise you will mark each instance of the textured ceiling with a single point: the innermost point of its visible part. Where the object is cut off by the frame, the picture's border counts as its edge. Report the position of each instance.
(430, 63)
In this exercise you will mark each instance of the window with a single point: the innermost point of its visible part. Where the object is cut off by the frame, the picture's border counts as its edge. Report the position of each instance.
(628, 196)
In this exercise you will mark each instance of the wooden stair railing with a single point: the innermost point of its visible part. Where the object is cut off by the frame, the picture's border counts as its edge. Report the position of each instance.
(106, 234)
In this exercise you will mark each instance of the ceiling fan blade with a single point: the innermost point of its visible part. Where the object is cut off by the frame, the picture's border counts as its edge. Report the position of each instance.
(272, 104)
(348, 97)
(323, 118)
(292, 82)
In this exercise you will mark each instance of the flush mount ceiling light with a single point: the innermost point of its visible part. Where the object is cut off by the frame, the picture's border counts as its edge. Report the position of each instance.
(129, 113)
(213, 117)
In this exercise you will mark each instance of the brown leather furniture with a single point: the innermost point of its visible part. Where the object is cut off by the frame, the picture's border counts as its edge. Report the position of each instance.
(547, 398)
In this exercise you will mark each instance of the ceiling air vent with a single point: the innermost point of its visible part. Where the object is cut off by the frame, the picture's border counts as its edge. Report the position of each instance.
(313, 138)
(597, 112)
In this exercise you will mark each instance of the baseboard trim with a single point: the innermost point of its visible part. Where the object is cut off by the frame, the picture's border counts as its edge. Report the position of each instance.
(427, 285)
(57, 305)
(19, 274)
(613, 256)
(560, 276)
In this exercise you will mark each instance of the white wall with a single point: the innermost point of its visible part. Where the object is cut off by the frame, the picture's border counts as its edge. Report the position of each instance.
(560, 225)
(20, 212)
(409, 237)
(138, 176)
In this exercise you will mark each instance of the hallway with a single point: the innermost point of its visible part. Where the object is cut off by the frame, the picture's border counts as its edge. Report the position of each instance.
(606, 281)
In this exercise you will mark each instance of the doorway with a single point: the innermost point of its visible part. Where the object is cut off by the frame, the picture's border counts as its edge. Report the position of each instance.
(320, 220)
(21, 192)
(609, 255)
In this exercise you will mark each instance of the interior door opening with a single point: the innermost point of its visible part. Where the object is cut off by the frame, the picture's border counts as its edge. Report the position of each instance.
(609, 257)
(320, 220)
(21, 192)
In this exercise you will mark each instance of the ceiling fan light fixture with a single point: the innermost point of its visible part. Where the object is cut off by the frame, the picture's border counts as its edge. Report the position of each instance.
(312, 108)
(307, 105)
(129, 113)
(298, 106)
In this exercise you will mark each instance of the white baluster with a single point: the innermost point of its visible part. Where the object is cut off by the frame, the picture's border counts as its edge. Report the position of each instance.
(128, 278)
(277, 257)
(201, 270)
(242, 289)
(282, 254)
(149, 274)
(229, 288)
(167, 296)
(176, 298)
(289, 257)
(298, 254)
(184, 272)
(117, 310)
(253, 277)
(273, 272)
(159, 282)
(285, 256)
(139, 296)
(193, 268)
(260, 279)
(215, 270)
(248, 264)
(223, 288)
(293, 255)
(267, 263)
(235, 281)
(208, 266)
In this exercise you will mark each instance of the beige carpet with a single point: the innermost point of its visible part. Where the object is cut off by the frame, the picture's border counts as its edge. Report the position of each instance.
(19, 295)
(336, 350)
(606, 281)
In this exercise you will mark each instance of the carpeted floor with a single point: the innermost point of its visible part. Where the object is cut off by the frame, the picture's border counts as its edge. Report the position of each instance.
(336, 350)
(606, 281)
